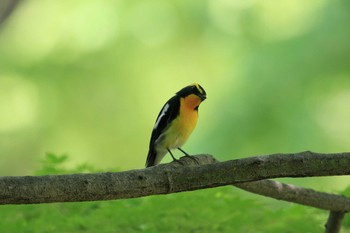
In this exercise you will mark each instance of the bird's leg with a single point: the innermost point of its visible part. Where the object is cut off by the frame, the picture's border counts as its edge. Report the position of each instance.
(183, 152)
(176, 160)
(187, 155)
(171, 155)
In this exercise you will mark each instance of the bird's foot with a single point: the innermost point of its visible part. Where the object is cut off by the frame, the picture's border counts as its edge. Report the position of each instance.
(193, 158)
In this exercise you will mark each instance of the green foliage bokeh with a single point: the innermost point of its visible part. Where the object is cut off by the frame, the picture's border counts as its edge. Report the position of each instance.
(88, 78)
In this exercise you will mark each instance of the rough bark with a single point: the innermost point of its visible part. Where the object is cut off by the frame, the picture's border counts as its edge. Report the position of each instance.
(333, 224)
(192, 173)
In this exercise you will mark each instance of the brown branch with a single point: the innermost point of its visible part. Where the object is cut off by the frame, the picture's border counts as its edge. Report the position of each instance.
(333, 224)
(170, 178)
(292, 193)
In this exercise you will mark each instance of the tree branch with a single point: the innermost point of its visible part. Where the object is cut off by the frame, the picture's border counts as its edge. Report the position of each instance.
(333, 224)
(292, 193)
(203, 172)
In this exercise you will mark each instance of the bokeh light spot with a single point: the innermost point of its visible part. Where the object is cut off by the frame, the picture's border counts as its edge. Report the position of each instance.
(18, 103)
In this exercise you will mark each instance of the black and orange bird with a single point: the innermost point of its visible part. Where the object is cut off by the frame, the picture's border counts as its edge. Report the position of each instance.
(175, 123)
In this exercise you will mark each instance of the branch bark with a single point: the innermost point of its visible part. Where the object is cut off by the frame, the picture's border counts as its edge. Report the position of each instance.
(333, 224)
(295, 194)
(194, 173)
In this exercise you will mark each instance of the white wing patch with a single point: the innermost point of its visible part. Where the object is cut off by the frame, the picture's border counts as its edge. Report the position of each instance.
(161, 116)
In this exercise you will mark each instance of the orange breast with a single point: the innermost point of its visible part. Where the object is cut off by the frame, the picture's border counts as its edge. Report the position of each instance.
(188, 113)
(183, 126)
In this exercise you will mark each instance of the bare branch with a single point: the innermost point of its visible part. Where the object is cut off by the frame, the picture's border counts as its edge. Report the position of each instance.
(292, 193)
(169, 178)
(333, 224)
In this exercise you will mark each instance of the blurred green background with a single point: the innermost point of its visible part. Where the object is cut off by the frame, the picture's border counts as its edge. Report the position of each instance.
(88, 78)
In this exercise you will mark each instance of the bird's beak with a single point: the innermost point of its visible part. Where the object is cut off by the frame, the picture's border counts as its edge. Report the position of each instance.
(203, 97)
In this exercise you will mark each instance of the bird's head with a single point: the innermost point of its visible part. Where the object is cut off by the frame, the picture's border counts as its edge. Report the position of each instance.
(191, 96)
(194, 89)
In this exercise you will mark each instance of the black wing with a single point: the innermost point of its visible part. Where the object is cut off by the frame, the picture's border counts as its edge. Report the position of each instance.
(168, 113)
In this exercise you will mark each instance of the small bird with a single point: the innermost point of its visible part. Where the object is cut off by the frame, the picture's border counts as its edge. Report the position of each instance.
(175, 123)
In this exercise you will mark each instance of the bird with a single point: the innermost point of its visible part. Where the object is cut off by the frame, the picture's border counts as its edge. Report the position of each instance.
(175, 123)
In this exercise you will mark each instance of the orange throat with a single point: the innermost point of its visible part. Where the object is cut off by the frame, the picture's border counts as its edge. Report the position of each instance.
(191, 102)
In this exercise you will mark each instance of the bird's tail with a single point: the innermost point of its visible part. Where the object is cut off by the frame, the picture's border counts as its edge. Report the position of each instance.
(155, 156)
(151, 158)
